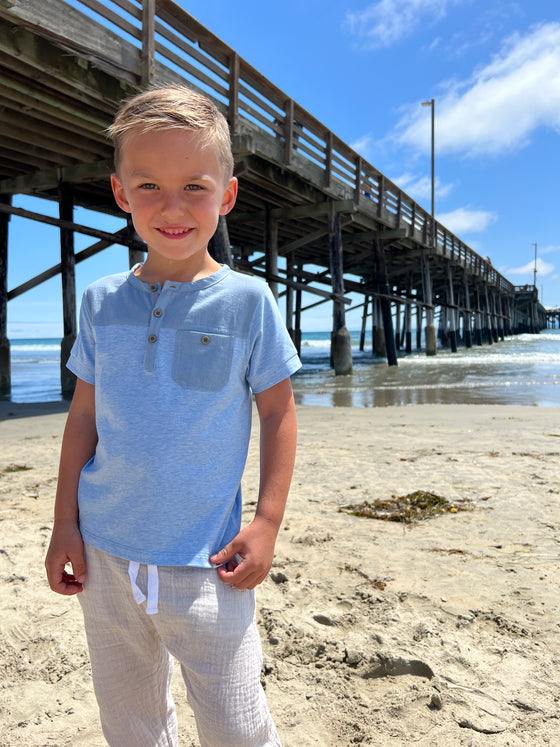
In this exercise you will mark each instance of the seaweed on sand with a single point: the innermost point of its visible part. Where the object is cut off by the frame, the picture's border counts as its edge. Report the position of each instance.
(16, 468)
(408, 508)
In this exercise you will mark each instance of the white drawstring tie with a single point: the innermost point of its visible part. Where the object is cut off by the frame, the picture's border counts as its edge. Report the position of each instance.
(153, 586)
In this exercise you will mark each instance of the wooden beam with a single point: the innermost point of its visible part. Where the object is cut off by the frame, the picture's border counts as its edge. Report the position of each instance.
(244, 265)
(50, 178)
(289, 137)
(68, 277)
(5, 367)
(314, 210)
(337, 268)
(82, 35)
(79, 228)
(383, 291)
(271, 253)
(233, 103)
(148, 42)
(118, 238)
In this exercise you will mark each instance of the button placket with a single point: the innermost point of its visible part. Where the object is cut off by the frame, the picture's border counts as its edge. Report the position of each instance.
(154, 329)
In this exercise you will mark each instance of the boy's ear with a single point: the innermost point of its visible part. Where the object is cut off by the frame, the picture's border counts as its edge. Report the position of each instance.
(119, 193)
(230, 196)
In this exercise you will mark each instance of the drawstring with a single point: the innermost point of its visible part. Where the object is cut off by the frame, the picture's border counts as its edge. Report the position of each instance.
(153, 590)
(153, 586)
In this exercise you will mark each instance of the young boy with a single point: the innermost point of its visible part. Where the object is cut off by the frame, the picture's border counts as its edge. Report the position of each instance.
(148, 503)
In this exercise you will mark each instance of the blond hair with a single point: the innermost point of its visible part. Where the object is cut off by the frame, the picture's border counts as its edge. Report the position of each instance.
(173, 107)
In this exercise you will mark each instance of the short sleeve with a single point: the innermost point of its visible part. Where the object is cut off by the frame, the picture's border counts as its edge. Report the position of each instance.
(82, 356)
(273, 356)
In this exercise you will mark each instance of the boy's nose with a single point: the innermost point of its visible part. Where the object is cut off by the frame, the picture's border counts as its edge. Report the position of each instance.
(173, 204)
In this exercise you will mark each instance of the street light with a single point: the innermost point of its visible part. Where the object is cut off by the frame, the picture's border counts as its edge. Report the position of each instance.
(432, 104)
(535, 270)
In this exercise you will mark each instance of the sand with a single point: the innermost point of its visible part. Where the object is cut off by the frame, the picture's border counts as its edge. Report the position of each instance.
(443, 633)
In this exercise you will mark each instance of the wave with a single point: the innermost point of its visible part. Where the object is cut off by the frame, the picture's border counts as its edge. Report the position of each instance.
(486, 359)
(36, 347)
(548, 336)
(495, 384)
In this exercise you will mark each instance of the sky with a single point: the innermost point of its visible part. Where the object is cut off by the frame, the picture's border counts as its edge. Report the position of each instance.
(363, 69)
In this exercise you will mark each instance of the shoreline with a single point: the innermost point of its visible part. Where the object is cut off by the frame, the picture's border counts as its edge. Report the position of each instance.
(16, 410)
(374, 632)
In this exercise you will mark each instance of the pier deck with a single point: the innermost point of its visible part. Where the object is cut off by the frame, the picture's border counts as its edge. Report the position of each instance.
(312, 215)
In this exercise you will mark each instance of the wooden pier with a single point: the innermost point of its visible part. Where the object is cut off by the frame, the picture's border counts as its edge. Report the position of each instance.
(553, 317)
(312, 215)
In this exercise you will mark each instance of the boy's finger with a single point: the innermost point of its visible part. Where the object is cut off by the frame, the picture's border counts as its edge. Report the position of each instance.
(79, 570)
(64, 583)
(224, 556)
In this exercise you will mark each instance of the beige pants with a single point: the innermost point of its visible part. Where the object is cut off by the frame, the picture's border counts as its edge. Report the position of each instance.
(206, 625)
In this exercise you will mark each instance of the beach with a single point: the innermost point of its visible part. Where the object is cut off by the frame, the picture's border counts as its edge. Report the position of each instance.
(444, 631)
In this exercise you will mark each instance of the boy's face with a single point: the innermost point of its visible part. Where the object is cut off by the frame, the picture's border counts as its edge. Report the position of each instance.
(175, 191)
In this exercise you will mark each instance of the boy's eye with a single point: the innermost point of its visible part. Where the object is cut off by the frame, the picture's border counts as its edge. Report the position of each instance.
(148, 185)
(193, 187)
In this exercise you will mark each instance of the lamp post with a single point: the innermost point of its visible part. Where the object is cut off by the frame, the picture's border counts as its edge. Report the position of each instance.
(535, 270)
(431, 344)
(431, 103)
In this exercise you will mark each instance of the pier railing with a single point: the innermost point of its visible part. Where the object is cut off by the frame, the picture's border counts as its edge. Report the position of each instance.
(165, 35)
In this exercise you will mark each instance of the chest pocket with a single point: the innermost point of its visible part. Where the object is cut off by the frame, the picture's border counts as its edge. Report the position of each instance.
(202, 360)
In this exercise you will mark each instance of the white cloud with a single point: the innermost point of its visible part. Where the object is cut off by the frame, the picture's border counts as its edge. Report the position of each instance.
(497, 109)
(465, 220)
(543, 268)
(364, 146)
(420, 187)
(552, 249)
(386, 22)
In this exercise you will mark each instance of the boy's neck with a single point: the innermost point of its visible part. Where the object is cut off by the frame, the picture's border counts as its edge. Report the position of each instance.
(156, 271)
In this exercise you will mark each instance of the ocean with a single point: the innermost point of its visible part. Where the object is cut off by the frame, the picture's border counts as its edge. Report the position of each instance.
(521, 370)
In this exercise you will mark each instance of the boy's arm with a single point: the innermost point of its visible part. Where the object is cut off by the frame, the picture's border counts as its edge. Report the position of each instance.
(255, 543)
(78, 446)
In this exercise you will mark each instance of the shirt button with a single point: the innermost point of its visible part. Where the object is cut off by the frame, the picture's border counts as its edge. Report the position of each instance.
(153, 288)
(157, 312)
(152, 338)
(205, 340)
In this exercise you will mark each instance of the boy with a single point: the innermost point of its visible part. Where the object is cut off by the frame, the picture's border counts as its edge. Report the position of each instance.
(148, 503)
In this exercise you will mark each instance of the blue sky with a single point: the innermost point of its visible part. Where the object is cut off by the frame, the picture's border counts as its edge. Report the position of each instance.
(363, 69)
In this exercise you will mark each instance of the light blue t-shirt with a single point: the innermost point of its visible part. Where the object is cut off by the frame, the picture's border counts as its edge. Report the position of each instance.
(174, 368)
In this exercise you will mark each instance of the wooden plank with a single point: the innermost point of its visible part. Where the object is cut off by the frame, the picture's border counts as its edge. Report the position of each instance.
(31, 152)
(20, 92)
(50, 178)
(203, 60)
(115, 18)
(19, 128)
(186, 24)
(196, 73)
(81, 34)
(41, 114)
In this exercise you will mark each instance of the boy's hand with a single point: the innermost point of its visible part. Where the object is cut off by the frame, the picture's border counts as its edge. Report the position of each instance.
(255, 545)
(66, 546)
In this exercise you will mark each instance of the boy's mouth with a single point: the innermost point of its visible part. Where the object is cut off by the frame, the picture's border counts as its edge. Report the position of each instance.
(174, 232)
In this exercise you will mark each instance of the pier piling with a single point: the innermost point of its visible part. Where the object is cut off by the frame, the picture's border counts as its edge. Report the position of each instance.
(5, 363)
